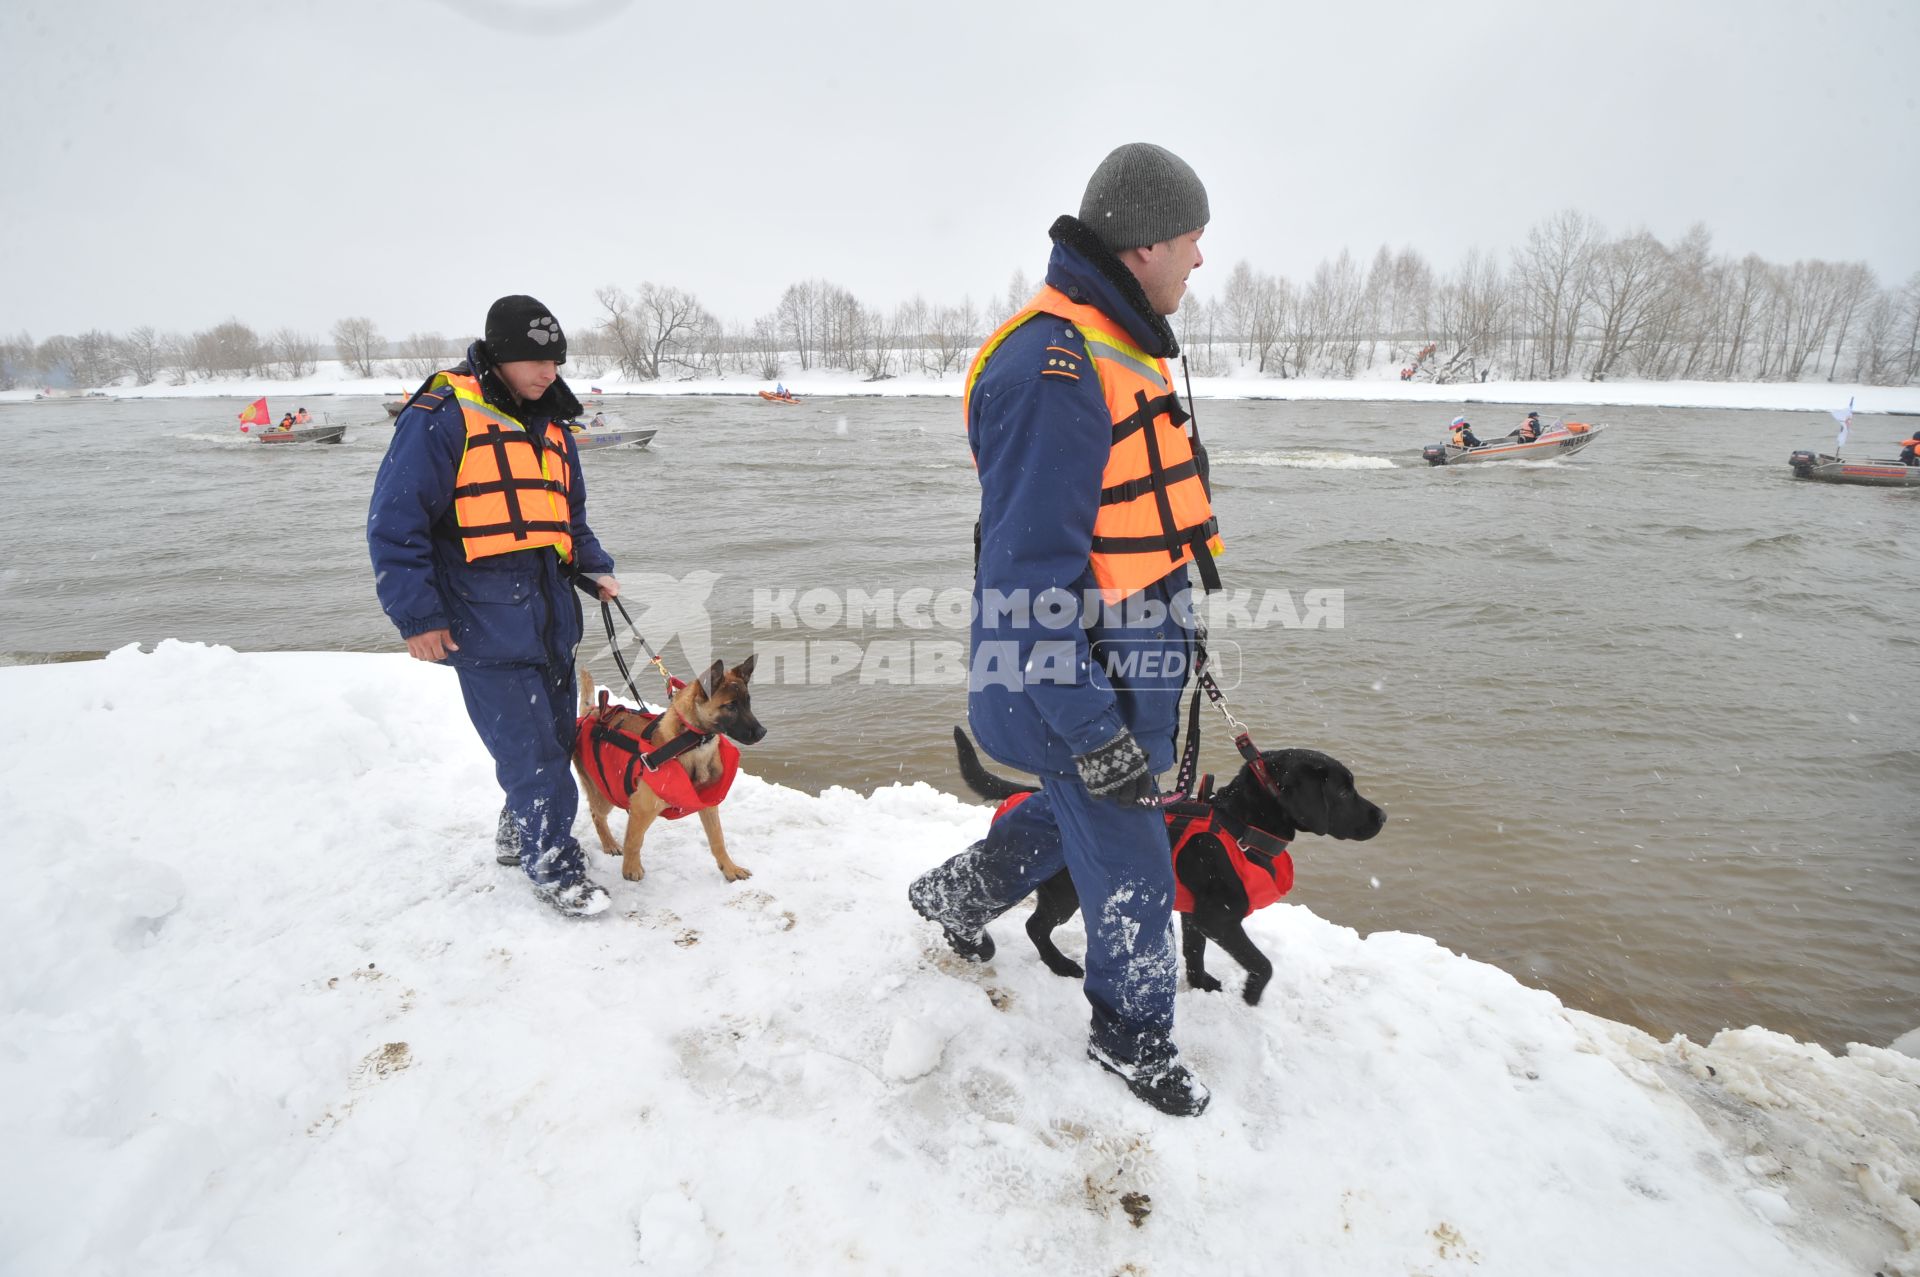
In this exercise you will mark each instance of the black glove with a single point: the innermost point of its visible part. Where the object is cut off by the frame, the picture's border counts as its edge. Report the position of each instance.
(1116, 771)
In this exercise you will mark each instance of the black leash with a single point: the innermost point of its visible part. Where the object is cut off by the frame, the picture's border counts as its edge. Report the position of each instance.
(1184, 787)
(690, 737)
(619, 657)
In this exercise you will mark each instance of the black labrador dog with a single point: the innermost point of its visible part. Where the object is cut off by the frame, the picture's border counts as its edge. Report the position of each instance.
(1316, 796)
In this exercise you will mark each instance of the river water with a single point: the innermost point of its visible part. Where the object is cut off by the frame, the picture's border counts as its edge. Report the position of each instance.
(1644, 720)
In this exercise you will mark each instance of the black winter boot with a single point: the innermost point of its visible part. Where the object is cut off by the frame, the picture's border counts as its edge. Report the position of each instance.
(1159, 1079)
(506, 840)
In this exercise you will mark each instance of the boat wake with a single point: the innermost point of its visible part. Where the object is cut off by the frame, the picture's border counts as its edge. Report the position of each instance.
(1308, 460)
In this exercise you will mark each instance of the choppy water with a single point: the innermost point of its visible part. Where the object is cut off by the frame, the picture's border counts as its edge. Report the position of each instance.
(1644, 720)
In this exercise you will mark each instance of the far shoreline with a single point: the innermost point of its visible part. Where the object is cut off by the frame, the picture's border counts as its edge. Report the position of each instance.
(1822, 398)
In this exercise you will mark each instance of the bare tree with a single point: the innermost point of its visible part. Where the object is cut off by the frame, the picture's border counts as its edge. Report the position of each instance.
(672, 322)
(1551, 277)
(798, 319)
(16, 360)
(1628, 276)
(765, 345)
(230, 349)
(423, 354)
(358, 343)
(1019, 293)
(141, 354)
(294, 353)
(1907, 326)
(1855, 288)
(952, 335)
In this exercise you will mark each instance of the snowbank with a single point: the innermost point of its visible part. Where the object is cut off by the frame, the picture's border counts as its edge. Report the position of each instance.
(270, 1006)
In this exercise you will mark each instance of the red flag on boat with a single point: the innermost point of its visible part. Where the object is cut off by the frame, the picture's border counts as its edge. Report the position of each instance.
(595, 390)
(255, 414)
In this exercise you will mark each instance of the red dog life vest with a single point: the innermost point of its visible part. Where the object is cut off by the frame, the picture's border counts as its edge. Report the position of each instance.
(1263, 884)
(612, 759)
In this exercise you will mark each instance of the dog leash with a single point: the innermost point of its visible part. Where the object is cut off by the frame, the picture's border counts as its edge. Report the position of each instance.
(1184, 787)
(619, 657)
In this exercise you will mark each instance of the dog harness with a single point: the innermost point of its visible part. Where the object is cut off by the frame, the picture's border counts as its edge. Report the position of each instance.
(613, 759)
(1261, 859)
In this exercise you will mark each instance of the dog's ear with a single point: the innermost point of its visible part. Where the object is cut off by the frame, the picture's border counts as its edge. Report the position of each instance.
(709, 680)
(1303, 788)
(744, 670)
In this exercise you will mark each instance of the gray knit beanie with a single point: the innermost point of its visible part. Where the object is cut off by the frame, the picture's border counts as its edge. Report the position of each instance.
(1143, 194)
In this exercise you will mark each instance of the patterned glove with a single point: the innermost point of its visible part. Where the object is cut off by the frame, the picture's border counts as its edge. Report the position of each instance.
(1116, 771)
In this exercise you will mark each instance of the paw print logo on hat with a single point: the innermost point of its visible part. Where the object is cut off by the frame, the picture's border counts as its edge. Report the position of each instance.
(544, 330)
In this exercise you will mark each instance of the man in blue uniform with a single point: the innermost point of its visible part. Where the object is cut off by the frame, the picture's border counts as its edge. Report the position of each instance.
(1090, 704)
(478, 534)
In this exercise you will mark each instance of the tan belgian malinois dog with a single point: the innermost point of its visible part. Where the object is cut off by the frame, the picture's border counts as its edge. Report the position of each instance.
(716, 705)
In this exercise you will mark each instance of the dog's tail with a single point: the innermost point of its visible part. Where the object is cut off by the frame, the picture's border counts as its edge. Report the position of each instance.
(586, 691)
(978, 778)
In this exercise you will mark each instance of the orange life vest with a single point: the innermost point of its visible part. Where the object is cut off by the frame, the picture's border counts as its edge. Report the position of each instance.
(1460, 438)
(508, 494)
(1153, 504)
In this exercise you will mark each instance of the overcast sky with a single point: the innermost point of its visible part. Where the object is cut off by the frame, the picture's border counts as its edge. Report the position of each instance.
(178, 162)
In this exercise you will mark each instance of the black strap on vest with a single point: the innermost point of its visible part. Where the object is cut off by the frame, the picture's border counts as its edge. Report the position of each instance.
(1259, 846)
(1159, 478)
(496, 438)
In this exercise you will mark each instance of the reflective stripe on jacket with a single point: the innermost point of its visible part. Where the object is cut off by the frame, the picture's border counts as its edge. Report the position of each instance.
(509, 494)
(1153, 502)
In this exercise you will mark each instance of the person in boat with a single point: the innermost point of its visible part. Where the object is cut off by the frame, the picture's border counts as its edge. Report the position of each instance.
(1528, 430)
(780, 391)
(301, 418)
(1045, 402)
(1910, 450)
(478, 537)
(1463, 436)
(599, 421)
(286, 421)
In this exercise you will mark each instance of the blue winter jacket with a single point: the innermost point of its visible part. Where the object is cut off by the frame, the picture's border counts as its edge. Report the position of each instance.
(1038, 694)
(505, 609)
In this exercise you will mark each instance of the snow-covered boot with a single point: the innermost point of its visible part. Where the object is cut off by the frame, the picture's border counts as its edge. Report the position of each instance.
(581, 898)
(506, 839)
(1158, 1078)
(974, 946)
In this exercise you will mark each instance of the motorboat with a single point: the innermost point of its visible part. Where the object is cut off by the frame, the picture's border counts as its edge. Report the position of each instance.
(587, 440)
(770, 397)
(301, 434)
(1829, 469)
(1559, 440)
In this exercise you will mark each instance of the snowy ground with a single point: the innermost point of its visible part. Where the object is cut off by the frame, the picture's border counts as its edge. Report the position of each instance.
(270, 1007)
(1818, 397)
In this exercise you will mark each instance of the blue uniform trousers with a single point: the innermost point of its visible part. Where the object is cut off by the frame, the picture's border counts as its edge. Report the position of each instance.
(1122, 867)
(525, 715)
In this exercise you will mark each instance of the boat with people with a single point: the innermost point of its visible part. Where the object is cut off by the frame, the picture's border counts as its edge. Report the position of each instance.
(588, 440)
(301, 434)
(780, 397)
(1561, 439)
(1807, 464)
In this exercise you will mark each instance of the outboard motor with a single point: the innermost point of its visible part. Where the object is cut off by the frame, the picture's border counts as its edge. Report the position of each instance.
(1435, 454)
(1803, 462)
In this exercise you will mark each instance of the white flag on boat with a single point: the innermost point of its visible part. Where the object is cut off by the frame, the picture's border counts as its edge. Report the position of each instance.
(1846, 423)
